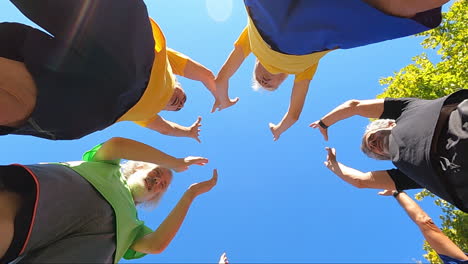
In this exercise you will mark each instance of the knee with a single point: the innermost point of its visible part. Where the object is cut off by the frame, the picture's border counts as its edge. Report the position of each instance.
(17, 92)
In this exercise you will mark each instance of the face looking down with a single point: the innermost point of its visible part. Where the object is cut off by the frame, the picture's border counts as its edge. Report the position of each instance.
(268, 80)
(148, 183)
(177, 100)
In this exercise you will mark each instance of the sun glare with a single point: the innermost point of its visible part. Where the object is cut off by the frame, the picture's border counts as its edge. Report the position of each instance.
(219, 10)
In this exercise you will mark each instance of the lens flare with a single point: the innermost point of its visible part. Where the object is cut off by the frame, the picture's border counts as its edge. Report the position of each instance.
(219, 10)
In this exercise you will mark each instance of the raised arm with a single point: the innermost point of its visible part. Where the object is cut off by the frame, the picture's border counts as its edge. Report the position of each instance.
(185, 66)
(123, 148)
(169, 128)
(434, 236)
(157, 241)
(359, 179)
(367, 108)
(296, 104)
(233, 62)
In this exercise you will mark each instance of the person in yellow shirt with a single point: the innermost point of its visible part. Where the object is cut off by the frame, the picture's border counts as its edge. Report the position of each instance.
(290, 37)
(97, 63)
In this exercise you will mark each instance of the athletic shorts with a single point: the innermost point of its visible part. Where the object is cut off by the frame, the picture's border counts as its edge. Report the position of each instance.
(91, 62)
(67, 221)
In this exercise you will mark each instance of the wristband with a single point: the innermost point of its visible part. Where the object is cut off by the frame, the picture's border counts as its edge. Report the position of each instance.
(322, 125)
(396, 193)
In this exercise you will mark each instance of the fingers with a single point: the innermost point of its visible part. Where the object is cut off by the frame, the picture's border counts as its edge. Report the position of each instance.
(197, 123)
(223, 259)
(215, 176)
(324, 133)
(314, 124)
(196, 161)
(331, 151)
(215, 106)
(197, 139)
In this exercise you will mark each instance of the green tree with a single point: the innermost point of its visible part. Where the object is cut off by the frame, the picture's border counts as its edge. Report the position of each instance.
(426, 79)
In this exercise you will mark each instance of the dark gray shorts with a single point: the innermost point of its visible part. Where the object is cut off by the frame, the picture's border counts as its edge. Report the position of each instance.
(72, 223)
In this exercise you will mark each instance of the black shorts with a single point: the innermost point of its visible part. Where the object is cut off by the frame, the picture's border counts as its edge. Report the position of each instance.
(90, 67)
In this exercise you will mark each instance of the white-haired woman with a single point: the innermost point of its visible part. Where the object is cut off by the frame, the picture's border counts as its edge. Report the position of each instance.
(425, 139)
(85, 211)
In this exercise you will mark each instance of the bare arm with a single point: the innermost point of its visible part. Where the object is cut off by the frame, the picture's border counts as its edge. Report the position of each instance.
(169, 128)
(157, 241)
(232, 64)
(359, 179)
(123, 148)
(434, 236)
(196, 71)
(296, 104)
(367, 108)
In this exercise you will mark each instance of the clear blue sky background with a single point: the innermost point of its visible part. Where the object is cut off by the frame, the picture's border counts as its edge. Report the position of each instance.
(275, 202)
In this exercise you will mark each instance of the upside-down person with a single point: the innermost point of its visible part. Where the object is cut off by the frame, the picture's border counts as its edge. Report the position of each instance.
(427, 141)
(291, 36)
(85, 211)
(99, 62)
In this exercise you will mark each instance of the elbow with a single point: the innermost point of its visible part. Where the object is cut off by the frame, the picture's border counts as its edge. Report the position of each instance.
(360, 184)
(158, 248)
(351, 103)
(116, 142)
(425, 222)
(294, 116)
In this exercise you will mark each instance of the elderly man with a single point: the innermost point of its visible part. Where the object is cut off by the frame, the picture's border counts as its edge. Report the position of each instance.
(425, 139)
(448, 251)
(85, 212)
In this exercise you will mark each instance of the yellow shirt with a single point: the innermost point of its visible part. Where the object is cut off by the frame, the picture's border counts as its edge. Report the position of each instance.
(167, 62)
(302, 66)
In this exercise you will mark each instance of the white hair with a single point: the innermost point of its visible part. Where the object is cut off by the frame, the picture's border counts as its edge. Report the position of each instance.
(373, 127)
(130, 167)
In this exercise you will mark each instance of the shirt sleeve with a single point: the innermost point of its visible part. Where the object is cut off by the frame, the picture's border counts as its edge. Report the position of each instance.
(145, 123)
(90, 156)
(450, 260)
(393, 107)
(178, 61)
(132, 254)
(402, 182)
(243, 41)
(307, 74)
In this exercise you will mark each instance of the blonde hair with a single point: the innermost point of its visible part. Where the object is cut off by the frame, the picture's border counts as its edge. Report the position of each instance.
(128, 168)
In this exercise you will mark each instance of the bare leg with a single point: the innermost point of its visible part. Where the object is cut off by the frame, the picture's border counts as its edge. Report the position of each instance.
(17, 92)
(405, 8)
(10, 204)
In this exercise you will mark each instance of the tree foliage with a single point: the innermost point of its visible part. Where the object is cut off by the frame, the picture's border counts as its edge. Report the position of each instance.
(427, 79)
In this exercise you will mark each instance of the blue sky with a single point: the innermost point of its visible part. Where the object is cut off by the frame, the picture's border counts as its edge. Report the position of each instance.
(275, 202)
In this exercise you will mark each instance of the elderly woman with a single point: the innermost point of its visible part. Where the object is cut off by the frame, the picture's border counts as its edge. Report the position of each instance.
(97, 63)
(85, 212)
(290, 37)
(425, 139)
(448, 251)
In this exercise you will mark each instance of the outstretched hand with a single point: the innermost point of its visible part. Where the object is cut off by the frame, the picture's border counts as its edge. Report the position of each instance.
(184, 163)
(331, 158)
(386, 192)
(321, 129)
(205, 186)
(194, 131)
(223, 259)
(222, 99)
(275, 131)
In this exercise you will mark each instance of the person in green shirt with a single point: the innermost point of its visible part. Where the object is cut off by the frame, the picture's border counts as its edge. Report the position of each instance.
(85, 211)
